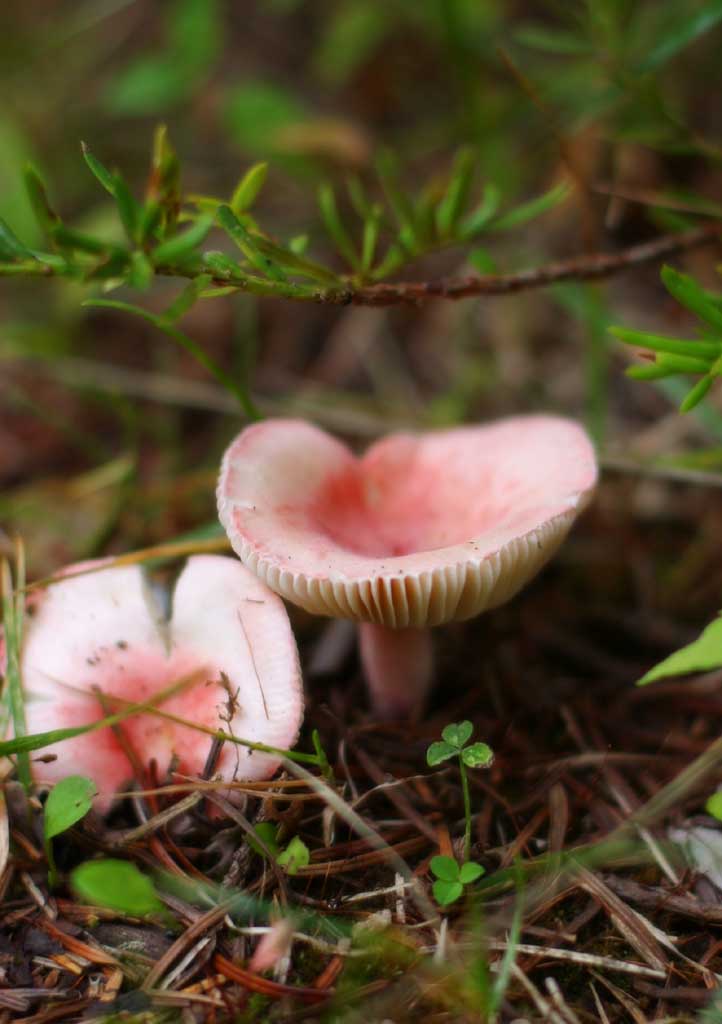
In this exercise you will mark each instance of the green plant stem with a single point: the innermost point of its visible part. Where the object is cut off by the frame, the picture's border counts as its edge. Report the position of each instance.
(191, 346)
(467, 810)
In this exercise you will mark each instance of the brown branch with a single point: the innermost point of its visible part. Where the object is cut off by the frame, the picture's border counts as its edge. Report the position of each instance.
(584, 268)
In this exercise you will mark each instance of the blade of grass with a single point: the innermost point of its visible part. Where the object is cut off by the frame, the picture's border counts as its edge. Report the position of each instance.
(13, 612)
(501, 982)
(188, 545)
(24, 744)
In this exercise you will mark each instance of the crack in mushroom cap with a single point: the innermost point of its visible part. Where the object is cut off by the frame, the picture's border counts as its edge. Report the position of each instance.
(423, 529)
(102, 632)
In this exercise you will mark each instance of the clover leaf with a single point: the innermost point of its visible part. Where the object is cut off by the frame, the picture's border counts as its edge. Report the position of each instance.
(457, 734)
(478, 755)
(451, 878)
(439, 752)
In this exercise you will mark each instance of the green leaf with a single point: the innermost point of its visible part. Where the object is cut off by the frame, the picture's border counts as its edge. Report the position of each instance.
(372, 224)
(439, 752)
(482, 260)
(683, 364)
(163, 189)
(116, 884)
(182, 244)
(69, 238)
(298, 245)
(335, 226)
(444, 868)
(221, 265)
(100, 171)
(528, 211)
(697, 393)
(650, 371)
(457, 194)
(187, 298)
(478, 755)
(673, 346)
(691, 295)
(702, 655)
(293, 263)
(11, 248)
(266, 832)
(150, 221)
(295, 856)
(68, 801)
(128, 208)
(37, 194)
(714, 806)
(245, 242)
(447, 892)
(387, 169)
(248, 187)
(140, 271)
(470, 872)
(685, 27)
(457, 733)
(482, 215)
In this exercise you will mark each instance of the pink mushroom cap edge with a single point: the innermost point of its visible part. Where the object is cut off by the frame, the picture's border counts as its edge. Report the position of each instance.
(99, 630)
(421, 530)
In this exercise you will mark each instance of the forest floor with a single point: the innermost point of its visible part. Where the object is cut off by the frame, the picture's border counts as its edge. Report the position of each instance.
(589, 825)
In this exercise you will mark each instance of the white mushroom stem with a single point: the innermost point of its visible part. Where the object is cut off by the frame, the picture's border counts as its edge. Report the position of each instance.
(398, 665)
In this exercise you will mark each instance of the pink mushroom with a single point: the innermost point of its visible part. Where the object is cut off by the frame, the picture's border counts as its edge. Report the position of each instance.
(97, 640)
(421, 530)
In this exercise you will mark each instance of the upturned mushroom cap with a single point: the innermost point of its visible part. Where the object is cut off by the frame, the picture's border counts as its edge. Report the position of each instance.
(421, 530)
(100, 634)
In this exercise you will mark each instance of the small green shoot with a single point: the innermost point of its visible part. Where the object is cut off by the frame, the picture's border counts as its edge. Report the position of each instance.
(266, 842)
(453, 743)
(68, 802)
(295, 856)
(702, 655)
(689, 356)
(118, 885)
(451, 878)
(248, 187)
(714, 805)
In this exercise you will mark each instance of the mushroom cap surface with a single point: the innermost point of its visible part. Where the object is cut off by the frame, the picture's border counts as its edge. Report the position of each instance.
(421, 530)
(228, 638)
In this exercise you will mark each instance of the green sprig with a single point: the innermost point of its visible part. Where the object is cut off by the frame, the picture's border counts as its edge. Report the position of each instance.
(453, 743)
(690, 356)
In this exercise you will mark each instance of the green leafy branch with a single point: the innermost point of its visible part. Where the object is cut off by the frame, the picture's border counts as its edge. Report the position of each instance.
(375, 233)
(166, 231)
(668, 357)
